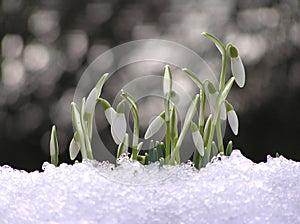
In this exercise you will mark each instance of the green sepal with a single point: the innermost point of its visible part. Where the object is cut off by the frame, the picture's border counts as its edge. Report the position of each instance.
(104, 103)
(229, 107)
(233, 52)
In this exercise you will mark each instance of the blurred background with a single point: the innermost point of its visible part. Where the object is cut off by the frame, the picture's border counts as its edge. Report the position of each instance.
(47, 44)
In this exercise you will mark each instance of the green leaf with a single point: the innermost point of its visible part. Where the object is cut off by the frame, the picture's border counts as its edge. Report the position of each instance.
(94, 94)
(229, 148)
(214, 149)
(146, 159)
(85, 131)
(123, 147)
(207, 129)
(217, 42)
(187, 121)
(161, 152)
(226, 90)
(194, 78)
(76, 120)
(134, 111)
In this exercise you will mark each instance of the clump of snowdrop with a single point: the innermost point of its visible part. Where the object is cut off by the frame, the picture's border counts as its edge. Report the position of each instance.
(204, 132)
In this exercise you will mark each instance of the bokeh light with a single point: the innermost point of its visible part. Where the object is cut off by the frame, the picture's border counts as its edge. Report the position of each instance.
(46, 45)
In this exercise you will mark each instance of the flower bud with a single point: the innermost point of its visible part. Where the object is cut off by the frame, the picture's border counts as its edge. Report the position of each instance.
(237, 67)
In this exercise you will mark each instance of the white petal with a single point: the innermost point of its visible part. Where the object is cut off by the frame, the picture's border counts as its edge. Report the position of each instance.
(198, 141)
(74, 149)
(109, 114)
(238, 71)
(223, 113)
(154, 127)
(118, 128)
(233, 121)
(91, 101)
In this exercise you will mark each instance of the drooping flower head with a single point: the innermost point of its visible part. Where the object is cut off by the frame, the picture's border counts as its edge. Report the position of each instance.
(237, 66)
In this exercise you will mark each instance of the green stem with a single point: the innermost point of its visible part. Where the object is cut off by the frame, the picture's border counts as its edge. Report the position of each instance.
(168, 139)
(223, 72)
(202, 112)
(219, 136)
(134, 111)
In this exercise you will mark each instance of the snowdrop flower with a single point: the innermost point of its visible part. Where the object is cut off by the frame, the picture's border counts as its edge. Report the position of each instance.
(167, 82)
(116, 119)
(109, 111)
(197, 138)
(232, 118)
(74, 147)
(118, 125)
(155, 125)
(237, 66)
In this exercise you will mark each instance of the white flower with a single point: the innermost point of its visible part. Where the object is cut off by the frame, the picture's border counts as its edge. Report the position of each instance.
(118, 127)
(233, 121)
(74, 149)
(197, 139)
(238, 71)
(154, 127)
(109, 114)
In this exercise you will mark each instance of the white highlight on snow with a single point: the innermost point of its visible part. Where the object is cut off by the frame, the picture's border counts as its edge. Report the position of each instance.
(230, 190)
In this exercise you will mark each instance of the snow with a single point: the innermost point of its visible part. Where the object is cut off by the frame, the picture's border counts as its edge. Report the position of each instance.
(229, 190)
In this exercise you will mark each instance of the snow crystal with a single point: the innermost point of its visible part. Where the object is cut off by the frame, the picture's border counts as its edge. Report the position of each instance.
(229, 190)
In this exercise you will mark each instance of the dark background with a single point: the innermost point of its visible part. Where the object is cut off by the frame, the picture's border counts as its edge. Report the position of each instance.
(45, 46)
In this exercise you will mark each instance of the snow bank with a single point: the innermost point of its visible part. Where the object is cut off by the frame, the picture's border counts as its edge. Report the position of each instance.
(230, 190)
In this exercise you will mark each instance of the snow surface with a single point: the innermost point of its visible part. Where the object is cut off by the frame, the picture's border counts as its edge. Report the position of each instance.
(230, 190)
